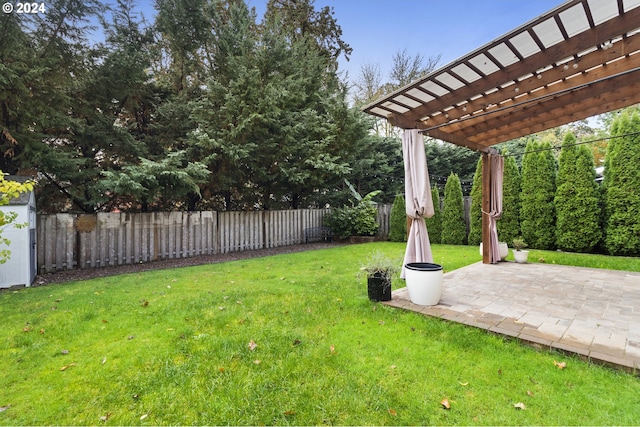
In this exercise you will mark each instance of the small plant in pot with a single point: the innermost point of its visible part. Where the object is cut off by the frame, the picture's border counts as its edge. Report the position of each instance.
(519, 252)
(379, 270)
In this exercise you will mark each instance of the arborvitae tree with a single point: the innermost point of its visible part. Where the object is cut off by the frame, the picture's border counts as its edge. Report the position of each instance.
(537, 212)
(454, 229)
(434, 224)
(622, 181)
(398, 220)
(577, 200)
(475, 230)
(509, 222)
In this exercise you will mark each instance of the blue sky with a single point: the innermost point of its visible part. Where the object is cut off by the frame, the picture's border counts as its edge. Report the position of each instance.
(376, 29)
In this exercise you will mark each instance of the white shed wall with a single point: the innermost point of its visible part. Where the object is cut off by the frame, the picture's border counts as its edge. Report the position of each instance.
(17, 271)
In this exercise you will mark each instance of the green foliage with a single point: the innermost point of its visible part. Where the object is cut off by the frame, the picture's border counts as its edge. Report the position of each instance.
(380, 264)
(537, 212)
(445, 159)
(509, 222)
(259, 105)
(519, 243)
(475, 229)
(358, 220)
(622, 181)
(434, 224)
(454, 229)
(10, 190)
(577, 201)
(398, 220)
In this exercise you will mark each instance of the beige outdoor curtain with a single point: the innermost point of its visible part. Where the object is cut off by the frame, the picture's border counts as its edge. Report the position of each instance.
(497, 168)
(418, 198)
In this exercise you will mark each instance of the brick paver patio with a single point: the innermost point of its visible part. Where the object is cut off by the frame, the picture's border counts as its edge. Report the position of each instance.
(594, 313)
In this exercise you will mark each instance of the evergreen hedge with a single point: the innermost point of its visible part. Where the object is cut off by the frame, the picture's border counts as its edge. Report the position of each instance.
(622, 188)
(537, 211)
(454, 229)
(475, 214)
(434, 224)
(577, 200)
(509, 222)
(398, 220)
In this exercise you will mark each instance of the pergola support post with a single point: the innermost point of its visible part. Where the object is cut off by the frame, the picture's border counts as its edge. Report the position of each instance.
(486, 208)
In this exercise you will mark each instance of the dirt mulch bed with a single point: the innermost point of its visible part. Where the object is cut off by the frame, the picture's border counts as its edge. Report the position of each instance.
(91, 273)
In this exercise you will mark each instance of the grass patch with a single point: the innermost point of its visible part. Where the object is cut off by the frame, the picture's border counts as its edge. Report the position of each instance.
(172, 347)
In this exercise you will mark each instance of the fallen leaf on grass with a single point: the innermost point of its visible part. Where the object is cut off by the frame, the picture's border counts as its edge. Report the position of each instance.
(289, 413)
(64, 368)
(529, 393)
(65, 352)
(519, 405)
(42, 331)
(332, 349)
(4, 408)
(256, 362)
(104, 360)
(297, 342)
(560, 365)
(252, 345)
(222, 308)
(463, 384)
(445, 403)
(145, 303)
(393, 412)
(144, 416)
(105, 417)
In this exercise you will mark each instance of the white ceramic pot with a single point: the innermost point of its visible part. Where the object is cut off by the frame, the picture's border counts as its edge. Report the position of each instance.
(424, 282)
(521, 256)
(504, 250)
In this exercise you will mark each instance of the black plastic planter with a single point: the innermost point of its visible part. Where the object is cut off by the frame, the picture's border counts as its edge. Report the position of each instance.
(379, 287)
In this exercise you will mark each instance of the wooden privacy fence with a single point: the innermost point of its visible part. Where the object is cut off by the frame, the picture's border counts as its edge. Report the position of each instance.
(67, 241)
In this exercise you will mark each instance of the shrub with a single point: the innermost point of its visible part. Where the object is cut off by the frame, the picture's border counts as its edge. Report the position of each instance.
(577, 199)
(358, 220)
(537, 212)
(509, 222)
(622, 181)
(475, 229)
(434, 224)
(398, 220)
(454, 229)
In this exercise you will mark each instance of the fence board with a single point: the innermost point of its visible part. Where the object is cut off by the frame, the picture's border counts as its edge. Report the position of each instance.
(126, 238)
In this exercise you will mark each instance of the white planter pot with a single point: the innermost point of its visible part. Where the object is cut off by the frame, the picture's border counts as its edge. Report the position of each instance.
(504, 250)
(424, 282)
(521, 256)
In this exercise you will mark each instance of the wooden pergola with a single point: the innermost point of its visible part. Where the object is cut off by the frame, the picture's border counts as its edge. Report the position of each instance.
(573, 62)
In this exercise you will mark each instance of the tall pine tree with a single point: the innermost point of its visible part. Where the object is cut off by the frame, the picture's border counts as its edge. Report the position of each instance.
(509, 222)
(577, 200)
(398, 220)
(622, 184)
(434, 224)
(537, 212)
(454, 228)
(475, 229)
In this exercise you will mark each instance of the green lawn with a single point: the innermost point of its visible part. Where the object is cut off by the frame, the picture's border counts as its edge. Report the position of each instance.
(289, 339)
